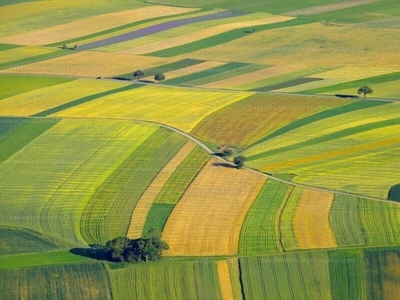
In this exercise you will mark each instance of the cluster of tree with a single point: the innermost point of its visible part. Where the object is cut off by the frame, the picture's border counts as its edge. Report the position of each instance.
(70, 48)
(394, 193)
(144, 249)
(157, 77)
(239, 161)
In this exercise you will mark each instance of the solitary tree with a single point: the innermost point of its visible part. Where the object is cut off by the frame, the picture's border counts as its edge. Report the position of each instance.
(239, 161)
(364, 90)
(159, 77)
(75, 47)
(138, 74)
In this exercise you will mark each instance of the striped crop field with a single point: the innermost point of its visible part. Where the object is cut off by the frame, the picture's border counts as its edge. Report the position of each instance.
(109, 210)
(260, 230)
(302, 275)
(247, 121)
(166, 105)
(86, 26)
(171, 280)
(89, 64)
(382, 273)
(14, 241)
(39, 100)
(12, 85)
(225, 280)
(208, 218)
(174, 188)
(23, 52)
(84, 154)
(143, 206)
(72, 281)
(311, 221)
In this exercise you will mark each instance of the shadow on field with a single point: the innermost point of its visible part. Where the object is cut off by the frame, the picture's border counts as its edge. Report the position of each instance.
(346, 96)
(226, 165)
(95, 252)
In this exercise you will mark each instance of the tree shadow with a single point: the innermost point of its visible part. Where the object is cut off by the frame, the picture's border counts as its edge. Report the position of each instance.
(94, 252)
(346, 96)
(226, 165)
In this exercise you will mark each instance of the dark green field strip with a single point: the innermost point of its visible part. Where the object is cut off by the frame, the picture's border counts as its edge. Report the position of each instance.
(184, 63)
(346, 270)
(7, 46)
(7, 125)
(224, 38)
(357, 105)
(206, 73)
(244, 71)
(109, 211)
(259, 233)
(19, 64)
(11, 85)
(157, 216)
(356, 83)
(286, 84)
(330, 137)
(23, 134)
(85, 99)
(15, 241)
(172, 279)
(182, 177)
(382, 273)
(71, 281)
(345, 222)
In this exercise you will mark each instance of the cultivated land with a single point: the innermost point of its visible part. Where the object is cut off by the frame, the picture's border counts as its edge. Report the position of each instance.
(87, 153)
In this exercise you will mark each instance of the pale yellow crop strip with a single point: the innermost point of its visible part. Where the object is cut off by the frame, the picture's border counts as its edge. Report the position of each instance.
(225, 280)
(311, 221)
(143, 206)
(208, 218)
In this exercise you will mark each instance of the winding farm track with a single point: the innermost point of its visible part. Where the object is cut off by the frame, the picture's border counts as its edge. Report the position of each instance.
(159, 28)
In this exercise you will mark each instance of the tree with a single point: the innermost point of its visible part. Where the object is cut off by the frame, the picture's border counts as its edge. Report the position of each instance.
(159, 77)
(239, 161)
(75, 47)
(138, 74)
(364, 90)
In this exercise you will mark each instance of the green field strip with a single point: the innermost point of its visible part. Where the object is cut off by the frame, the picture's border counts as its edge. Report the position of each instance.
(64, 281)
(302, 275)
(259, 233)
(357, 105)
(182, 177)
(285, 84)
(188, 79)
(329, 137)
(286, 227)
(12, 85)
(19, 65)
(223, 38)
(21, 136)
(355, 83)
(346, 268)
(16, 241)
(184, 63)
(108, 213)
(8, 125)
(157, 216)
(8, 46)
(180, 280)
(382, 275)
(345, 222)
(85, 99)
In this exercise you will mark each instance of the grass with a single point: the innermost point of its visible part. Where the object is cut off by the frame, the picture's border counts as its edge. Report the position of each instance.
(12, 85)
(261, 116)
(15, 241)
(64, 281)
(165, 107)
(108, 212)
(346, 271)
(260, 233)
(170, 280)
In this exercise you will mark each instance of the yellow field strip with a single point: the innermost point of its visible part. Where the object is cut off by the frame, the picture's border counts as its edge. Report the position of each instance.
(201, 34)
(311, 221)
(91, 64)
(91, 25)
(143, 206)
(189, 70)
(23, 52)
(251, 77)
(208, 218)
(225, 280)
